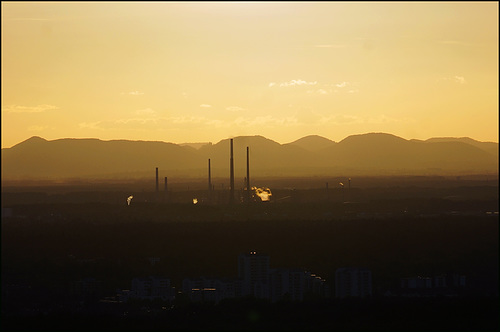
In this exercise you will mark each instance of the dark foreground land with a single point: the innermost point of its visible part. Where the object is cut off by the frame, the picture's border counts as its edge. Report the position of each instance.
(51, 240)
(436, 314)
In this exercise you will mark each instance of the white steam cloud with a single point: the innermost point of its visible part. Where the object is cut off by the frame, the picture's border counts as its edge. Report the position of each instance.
(263, 193)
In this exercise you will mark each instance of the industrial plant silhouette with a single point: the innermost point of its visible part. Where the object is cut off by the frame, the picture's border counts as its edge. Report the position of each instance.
(250, 194)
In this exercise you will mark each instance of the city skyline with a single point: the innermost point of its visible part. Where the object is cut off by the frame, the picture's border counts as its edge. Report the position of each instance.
(201, 72)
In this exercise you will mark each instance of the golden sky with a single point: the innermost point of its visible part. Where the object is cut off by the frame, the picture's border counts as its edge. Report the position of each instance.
(202, 72)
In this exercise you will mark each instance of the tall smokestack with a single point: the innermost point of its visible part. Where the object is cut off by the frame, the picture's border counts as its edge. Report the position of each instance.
(209, 178)
(248, 176)
(165, 194)
(156, 179)
(231, 175)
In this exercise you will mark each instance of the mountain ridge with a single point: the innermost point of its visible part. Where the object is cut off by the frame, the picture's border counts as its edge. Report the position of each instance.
(370, 154)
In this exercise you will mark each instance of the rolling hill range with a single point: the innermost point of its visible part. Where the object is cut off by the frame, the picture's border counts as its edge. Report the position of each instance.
(366, 154)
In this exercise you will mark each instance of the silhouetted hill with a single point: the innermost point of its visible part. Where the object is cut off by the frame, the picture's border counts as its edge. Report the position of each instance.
(312, 143)
(195, 145)
(366, 154)
(382, 153)
(489, 147)
(65, 158)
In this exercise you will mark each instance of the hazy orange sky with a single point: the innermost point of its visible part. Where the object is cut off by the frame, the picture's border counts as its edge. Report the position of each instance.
(199, 72)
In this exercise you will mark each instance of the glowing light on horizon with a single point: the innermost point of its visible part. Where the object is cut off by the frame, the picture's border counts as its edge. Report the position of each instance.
(263, 193)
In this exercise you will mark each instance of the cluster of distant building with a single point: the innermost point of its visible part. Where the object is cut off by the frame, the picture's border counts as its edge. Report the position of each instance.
(445, 284)
(257, 279)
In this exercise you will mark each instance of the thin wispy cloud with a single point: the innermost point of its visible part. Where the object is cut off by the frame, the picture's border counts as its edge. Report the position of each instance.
(186, 119)
(133, 93)
(341, 119)
(248, 122)
(292, 83)
(29, 109)
(136, 93)
(264, 121)
(37, 128)
(91, 125)
(260, 121)
(457, 79)
(296, 83)
(316, 88)
(342, 87)
(205, 106)
(344, 119)
(137, 121)
(382, 118)
(319, 92)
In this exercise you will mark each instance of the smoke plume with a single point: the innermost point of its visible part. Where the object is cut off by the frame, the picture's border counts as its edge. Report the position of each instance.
(263, 193)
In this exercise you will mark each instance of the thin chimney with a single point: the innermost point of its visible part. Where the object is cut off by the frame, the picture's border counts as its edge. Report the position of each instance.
(209, 177)
(156, 179)
(165, 194)
(231, 175)
(248, 176)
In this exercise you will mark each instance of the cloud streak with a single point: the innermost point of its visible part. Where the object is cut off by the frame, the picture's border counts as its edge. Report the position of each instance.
(29, 109)
(455, 79)
(161, 123)
(343, 119)
(37, 128)
(292, 83)
(459, 79)
(133, 93)
(319, 89)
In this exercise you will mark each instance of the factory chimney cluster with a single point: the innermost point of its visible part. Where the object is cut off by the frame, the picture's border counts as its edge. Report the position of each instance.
(231, 177)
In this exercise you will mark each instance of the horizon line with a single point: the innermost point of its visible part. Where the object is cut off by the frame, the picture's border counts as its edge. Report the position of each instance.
(256, 135)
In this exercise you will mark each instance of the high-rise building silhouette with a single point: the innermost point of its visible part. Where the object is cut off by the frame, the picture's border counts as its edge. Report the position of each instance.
(253, 269)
